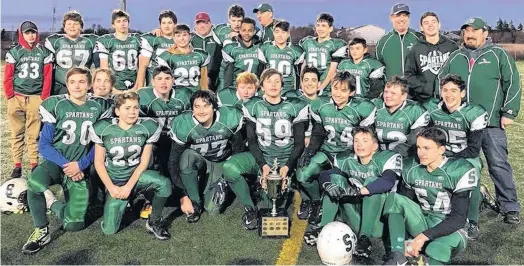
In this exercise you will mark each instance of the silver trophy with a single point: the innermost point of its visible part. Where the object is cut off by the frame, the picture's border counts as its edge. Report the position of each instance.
(274, 185)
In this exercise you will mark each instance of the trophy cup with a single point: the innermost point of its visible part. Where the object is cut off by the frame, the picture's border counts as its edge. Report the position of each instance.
(273, 224)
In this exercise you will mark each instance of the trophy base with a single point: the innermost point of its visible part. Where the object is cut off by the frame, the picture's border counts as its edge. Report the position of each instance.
(274, 227)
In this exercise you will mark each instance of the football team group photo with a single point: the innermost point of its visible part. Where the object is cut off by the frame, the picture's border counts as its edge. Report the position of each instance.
(249, 138)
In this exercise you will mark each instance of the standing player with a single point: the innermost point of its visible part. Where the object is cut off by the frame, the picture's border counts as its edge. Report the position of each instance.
(283, 56)
(27, 82)
(432, 203)
(275, 129)
(333, 120)
(71, 49)
(235, 15)
(464, 124)
(119, 52)
(65, 146)
(122, 152)
(247, 84)
(357, 188)
(398, 119)
(204, 38)
(189, 65)
(319, 51)
(242, 55)
(151, 46)
(202, 142)
(368, 71)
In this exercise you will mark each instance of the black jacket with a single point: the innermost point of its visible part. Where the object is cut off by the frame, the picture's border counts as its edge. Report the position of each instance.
(423, 63)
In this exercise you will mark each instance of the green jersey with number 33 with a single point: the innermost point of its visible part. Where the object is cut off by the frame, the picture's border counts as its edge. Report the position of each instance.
(72, 123)
(124, 147)
(434, 190)
(185, 67)
(362, 174)
(339, 123)
(28, 78)
(70, 53)
(394, 128)
(122, 56)
(457, 125)
(274, 125)
(212, 143)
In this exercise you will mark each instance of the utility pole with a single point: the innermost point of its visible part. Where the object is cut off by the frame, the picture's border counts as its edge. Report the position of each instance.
(54, 20)
(123, 4)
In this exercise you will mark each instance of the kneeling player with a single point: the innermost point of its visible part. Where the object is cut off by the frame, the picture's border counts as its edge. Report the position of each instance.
(359, 197)
(333, 120)
(122, 152)
(432, 204)
(463, 123)
(275, 129)
(247, 85)
(202, 142)
(65, 146)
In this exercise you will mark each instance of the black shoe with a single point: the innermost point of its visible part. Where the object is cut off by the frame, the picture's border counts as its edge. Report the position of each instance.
(250, 218)
(16, 173)
(157, 230)
(315, 214)
(396, 258)
(304, 210)
(311, 234)
(38, 239)
(195, 216)
(473, 231)
(363, 248)
(512, 217)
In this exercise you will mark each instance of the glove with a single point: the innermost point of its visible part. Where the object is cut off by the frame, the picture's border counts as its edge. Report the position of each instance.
(305, 159)
(352, 191)
(334, 191)
(219, 196)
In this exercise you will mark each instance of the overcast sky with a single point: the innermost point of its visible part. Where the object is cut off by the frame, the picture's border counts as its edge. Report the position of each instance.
(347, 13)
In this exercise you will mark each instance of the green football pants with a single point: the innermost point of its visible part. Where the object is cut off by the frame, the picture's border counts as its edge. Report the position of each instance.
(308, 176)
(71, 212)
(149, 180)
(193, 165)
(405, 215)
(476, 197)
(362, 215)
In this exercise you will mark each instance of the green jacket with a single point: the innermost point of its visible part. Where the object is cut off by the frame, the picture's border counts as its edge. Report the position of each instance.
(493, 80)
(392, 50)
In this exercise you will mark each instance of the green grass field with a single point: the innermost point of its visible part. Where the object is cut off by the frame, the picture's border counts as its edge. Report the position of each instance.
(220, 239)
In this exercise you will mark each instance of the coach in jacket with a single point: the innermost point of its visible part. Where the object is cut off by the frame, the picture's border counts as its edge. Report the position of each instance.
(425, 59)
(493, 81)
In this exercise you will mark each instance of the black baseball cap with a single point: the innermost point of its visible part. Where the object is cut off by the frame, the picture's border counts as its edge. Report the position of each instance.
(399, 8)
(27, 26)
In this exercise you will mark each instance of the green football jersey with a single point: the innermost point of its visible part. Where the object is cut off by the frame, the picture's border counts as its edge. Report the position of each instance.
(152, 105)
(151, 46)
(124, 147)
(243, 59)
(457, 125)
(72, 123)
(229, 97)
(274, 125)
(28, 78)
(222, 31)
(122, 56)
(70, 53)
(365, 70)
(340, 123)
(211, 45)
(284, 60)
(362, 174)
(319, 55)
(185, 67)
(308, 101)
(212, 143)
(394, 128)
(434, 190)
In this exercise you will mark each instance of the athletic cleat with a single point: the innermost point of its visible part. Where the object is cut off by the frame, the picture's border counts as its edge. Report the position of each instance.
(146, 210)
(311, 234)
(396, 258)
(363, 248)
(157, 230)
(473, 231)
(315, 213)
(512, 217)
(38, 239)
(488, 200)
(304, 210)
(195, 216)
(49, 198)
(16, 173)
(250, 218)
